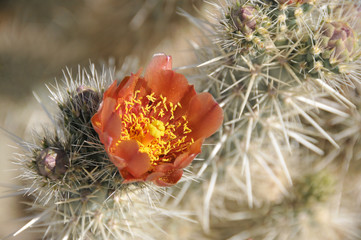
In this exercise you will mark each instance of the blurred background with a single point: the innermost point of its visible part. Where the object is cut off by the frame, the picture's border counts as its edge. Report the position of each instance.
(38, 39)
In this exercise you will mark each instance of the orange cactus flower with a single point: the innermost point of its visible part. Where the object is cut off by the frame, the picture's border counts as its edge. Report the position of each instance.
(153, 127)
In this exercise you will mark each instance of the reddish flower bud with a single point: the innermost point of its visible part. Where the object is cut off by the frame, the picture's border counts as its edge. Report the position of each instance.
(339, 42)
(245, 19)
(52, 163)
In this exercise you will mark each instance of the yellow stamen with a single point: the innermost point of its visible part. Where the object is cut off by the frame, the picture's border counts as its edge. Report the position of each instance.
(156, 129)
(150, 124)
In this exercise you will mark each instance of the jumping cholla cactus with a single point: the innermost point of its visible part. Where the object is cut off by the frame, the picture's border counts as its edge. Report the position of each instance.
(280, 70)
(78, 192)
(283, 72)
(90, 177)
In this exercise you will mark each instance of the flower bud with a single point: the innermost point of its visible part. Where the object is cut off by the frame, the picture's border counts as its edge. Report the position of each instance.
(338, 41)
(52, 163)
(349, 12)
(245, 19)
(86, 100)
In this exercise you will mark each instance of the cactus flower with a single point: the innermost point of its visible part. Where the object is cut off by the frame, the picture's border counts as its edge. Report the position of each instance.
(153, 127)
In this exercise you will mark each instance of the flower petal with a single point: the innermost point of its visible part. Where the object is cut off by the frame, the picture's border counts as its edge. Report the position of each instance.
(136, 163)
(105, 109)
(163, 81)
(154, 176)
(129, 178)
(171, 179)
(186, 158)
(165, 175)
(204, 116)
(159, 63)
(112, 129)
(127, 87)
(102, 117)
(169, 84)
(111, 91)
(184, 102)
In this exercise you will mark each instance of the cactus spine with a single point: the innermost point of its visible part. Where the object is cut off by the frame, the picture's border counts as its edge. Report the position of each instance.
(278, 68)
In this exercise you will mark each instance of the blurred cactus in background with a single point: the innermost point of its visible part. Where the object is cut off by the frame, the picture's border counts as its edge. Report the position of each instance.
(284, 165)
(283, 71)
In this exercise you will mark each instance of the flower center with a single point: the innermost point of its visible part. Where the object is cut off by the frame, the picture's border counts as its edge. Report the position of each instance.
(151, 122)
(156, 129)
